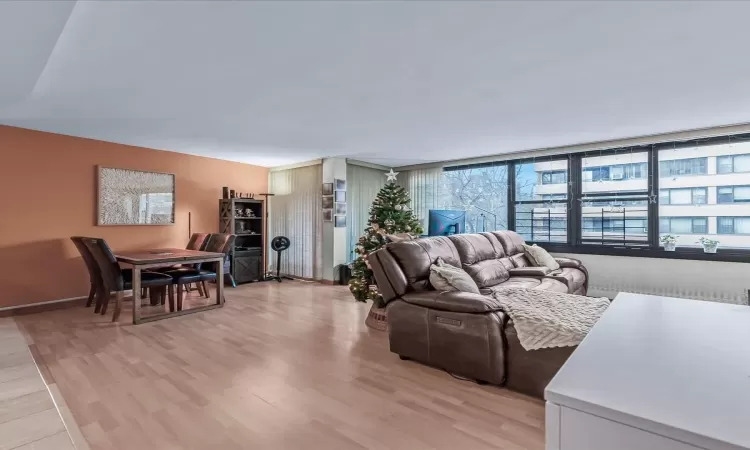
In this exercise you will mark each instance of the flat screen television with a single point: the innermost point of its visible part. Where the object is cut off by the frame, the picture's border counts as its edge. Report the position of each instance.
(444, 222)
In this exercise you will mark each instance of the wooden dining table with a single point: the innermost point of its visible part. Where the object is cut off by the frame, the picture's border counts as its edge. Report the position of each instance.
(140, 260)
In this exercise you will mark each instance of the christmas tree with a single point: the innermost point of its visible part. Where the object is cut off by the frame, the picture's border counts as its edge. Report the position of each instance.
(389, 214)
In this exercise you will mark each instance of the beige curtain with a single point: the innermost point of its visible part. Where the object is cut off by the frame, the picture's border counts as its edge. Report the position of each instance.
(363, 184)
(295, 212)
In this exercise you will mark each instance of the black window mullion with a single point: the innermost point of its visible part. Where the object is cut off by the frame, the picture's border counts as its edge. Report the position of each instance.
(653, 206)
(575, 175)
(511, 196)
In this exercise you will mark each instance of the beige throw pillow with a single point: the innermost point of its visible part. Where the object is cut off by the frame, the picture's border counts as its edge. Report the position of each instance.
(444, 277)
(539, 257)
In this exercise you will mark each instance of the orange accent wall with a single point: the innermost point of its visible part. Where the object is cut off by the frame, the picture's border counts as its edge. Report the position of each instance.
(48, 193)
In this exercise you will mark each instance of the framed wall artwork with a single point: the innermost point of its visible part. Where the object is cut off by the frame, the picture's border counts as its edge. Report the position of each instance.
(327, 188)
(327, 215)
(340, 197)
(327, 202)
(341, 208)
(339, 221)
(340, 185)
(134, 197)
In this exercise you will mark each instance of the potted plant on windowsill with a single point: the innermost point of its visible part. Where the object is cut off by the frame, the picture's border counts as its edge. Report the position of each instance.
(669, 241)
(709, 245)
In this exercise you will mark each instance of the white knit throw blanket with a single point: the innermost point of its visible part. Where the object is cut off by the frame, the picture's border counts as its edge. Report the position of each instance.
(546, 319)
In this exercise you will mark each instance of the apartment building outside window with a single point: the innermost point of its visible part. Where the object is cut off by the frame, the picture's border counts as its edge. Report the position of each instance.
(733, 194)
(733, 164)
(734, 225)
(682, 167)
(684, 196)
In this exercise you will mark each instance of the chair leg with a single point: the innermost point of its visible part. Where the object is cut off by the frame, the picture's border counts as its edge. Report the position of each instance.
(179, 296)
(118, 305)
(102, 296)
(200, 288)
(105, 302)
(171, 297)
(162, 295)
(144, 292)
(92, 294)
(231, 278)
(206, 292)
(154, 296)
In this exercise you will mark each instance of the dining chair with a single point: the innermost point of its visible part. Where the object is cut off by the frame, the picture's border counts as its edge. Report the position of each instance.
(217, 243)
(198, 241)
(117, 280)
(95, 278)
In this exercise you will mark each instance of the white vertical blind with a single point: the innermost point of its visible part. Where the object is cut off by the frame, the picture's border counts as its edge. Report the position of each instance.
(363, 184)
(424, 187)
(295, 212)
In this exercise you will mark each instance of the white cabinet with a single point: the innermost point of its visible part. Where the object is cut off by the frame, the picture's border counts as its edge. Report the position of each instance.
(656, 373)
(575, 430)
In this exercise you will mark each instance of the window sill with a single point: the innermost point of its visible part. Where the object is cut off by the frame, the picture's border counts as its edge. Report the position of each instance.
(697, 254)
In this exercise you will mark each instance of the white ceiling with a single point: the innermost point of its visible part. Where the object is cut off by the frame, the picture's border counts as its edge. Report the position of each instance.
(388, 82)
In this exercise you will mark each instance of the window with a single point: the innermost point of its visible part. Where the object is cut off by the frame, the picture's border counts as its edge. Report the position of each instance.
(733, 163)
(733, 194)
(480, 191)
(541, 210)
(683, 225)
(615, 212)
(556, 177)
(733, 225)
(615, 196)
(618, 172)
(684, 196)
(681, 167)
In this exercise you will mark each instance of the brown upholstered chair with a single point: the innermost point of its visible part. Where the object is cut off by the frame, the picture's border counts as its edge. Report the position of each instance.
(118, 280)
(95, 278)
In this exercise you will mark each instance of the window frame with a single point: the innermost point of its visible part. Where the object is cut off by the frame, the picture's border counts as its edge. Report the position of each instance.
(731, 158)
(652, 247)
(692, 195)
(732, 187)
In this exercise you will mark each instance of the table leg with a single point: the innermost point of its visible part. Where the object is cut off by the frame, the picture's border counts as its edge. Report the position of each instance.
(220, 282)
(136, 295)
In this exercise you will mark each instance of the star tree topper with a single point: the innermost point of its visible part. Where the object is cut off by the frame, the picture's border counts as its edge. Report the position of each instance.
(391, 175)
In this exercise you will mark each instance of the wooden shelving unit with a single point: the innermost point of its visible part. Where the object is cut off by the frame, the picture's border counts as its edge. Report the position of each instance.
(247, 259)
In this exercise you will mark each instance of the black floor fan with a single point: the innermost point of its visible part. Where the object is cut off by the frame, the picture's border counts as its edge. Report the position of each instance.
(279, 244)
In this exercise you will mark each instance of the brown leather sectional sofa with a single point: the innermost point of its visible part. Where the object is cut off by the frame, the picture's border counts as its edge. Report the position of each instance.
(469, 334)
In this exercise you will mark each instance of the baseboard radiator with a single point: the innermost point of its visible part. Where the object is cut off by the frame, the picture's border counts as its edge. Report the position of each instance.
(715, 281)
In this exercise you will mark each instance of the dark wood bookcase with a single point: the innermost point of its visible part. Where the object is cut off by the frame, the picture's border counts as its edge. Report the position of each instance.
(247, 259)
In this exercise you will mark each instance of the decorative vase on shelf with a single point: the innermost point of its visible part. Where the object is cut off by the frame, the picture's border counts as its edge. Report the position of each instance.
(670, 246)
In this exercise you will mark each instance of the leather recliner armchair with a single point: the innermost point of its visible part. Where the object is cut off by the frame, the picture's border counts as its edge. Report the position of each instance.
(469, 334)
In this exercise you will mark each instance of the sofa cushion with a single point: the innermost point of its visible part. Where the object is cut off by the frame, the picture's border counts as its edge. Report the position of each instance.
(483, 258)
(511, 241)
(550, 284)
(540, 257)
(444, 277)
(415, 258)
(573, 278)
(518, 282)
(520, 260)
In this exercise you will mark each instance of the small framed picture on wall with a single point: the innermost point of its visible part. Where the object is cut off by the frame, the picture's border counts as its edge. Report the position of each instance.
(327, 215)
(339, 221)
(327, 188)
(340, 185)
(341, 208)
(327, 202)
(340, 197)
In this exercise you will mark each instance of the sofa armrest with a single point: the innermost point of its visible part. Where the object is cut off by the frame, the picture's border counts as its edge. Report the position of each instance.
(569, 262)
(530, 271)
(454, 301)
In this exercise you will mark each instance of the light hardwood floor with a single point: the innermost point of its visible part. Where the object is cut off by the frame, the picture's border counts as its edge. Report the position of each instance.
(281, 366)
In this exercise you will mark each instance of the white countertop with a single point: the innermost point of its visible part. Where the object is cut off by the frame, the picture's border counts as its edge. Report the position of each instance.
(675, 367)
